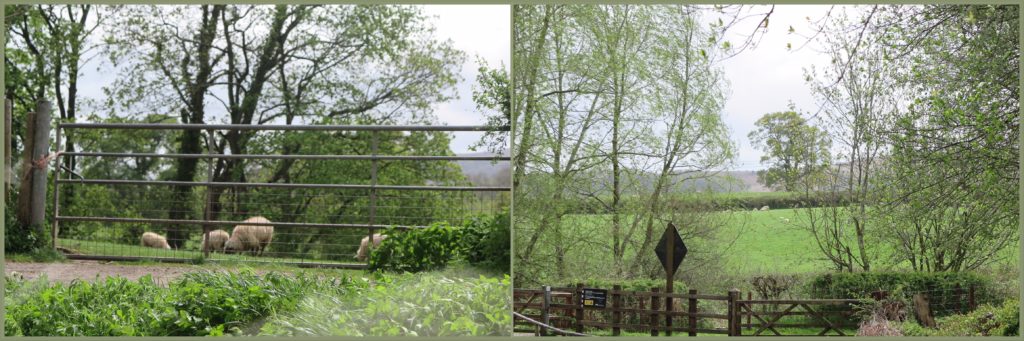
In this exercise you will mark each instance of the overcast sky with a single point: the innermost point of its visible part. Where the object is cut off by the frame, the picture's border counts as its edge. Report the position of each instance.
(768, 77)
(762, 80)
(482, 31)
(479, 30)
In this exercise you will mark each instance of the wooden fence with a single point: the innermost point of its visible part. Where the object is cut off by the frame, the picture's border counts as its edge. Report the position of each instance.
(657, 312)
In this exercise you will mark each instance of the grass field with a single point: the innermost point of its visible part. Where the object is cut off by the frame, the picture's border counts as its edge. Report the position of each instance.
(754, 242)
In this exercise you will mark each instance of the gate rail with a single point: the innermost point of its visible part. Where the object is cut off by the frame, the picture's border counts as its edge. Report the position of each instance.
(373, 187)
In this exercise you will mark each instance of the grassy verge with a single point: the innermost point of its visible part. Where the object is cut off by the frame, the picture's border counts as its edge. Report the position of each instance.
(215, 303)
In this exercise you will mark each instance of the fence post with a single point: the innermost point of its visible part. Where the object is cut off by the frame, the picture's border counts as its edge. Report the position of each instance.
(55, 231)
(654, 311)
(25, 175)
(373, 193)
(750, 314)
(579, 307)
(971, 302)
(616, 309)
(40, 148)
(691, 310)
(8, 166)
(733, 312)
(209, 193)
(544, 313)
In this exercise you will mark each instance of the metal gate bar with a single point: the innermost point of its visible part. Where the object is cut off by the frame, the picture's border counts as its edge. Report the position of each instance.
(372, 187)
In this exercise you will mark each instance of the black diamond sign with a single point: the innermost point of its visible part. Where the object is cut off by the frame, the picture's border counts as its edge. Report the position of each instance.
(678, 250)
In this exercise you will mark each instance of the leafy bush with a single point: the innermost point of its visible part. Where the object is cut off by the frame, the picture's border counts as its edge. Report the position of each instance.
(987, 320)
(860, 285)
(19, 238)
(415, 250)
(198, 304)
(486, 242)
(411, 304)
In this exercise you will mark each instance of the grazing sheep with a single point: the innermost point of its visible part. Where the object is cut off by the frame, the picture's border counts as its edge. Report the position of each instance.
(151, 239)
(364, 248)
(765, 208)
(217, 240)
(252, 238)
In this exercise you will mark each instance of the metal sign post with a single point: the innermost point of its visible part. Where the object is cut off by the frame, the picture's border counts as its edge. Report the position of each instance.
(670, 250)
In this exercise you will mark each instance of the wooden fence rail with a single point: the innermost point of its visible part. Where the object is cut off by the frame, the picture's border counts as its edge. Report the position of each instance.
(646, 311)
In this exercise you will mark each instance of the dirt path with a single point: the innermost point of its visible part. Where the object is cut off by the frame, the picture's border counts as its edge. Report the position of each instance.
(91, 270)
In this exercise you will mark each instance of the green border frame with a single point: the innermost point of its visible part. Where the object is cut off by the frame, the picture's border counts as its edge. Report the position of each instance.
(511, 69)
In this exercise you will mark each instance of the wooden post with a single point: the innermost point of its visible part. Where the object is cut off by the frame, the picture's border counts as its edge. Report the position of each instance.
(616, 309)
(40, 148)
(750, 314)
(958, 292)
(545, 313)
(692, 313)
(579, 307)
(654, 311)
(971, 302)
(25, 174)
(669, 279)
(733, 313)
(8, 166)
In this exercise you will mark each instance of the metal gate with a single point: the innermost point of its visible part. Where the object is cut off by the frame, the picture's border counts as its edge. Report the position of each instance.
(315, 224)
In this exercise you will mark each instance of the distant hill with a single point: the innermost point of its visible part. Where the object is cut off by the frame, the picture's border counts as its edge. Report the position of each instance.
(486, 173)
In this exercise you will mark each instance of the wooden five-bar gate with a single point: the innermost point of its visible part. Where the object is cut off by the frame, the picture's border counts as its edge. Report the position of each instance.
(648, 312)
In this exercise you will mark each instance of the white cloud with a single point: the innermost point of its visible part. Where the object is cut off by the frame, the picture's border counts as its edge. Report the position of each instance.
(482, 31)
(765, 79)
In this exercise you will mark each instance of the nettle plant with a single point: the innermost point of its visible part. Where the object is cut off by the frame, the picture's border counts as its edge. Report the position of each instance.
(416, 250)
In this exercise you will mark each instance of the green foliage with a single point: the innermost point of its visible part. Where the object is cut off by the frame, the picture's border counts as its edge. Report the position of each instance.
(197, 304)
(986, 320)
(408, 305)
(486, 241)
(860, 285)
(493, 97)
(417, 249)
(18, 237)
(798, 153)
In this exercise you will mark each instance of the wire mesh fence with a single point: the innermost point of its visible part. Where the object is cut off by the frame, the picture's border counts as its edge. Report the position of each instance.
(316, 220)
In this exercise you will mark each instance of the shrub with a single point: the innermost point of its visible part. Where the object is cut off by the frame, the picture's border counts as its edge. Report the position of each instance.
(486, 242)
(20, 238)
(987, 320)
(197, 304)
(860, 285)
(416, 250)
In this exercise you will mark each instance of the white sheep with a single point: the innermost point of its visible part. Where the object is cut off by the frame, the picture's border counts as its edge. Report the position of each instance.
(217, 240)
(151, 239)
(252, 238)
(364, 247)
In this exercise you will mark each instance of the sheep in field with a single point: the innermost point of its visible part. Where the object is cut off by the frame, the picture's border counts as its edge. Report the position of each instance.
(252, 238)
(151, 239)
(364, 248)
(217, 240)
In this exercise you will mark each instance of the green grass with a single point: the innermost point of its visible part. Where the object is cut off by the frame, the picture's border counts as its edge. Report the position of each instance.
(113, 249)
(754, 242)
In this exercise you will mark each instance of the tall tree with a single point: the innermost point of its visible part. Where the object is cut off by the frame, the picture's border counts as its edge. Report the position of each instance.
(796, 151)
(856, 95)
(157, 45)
